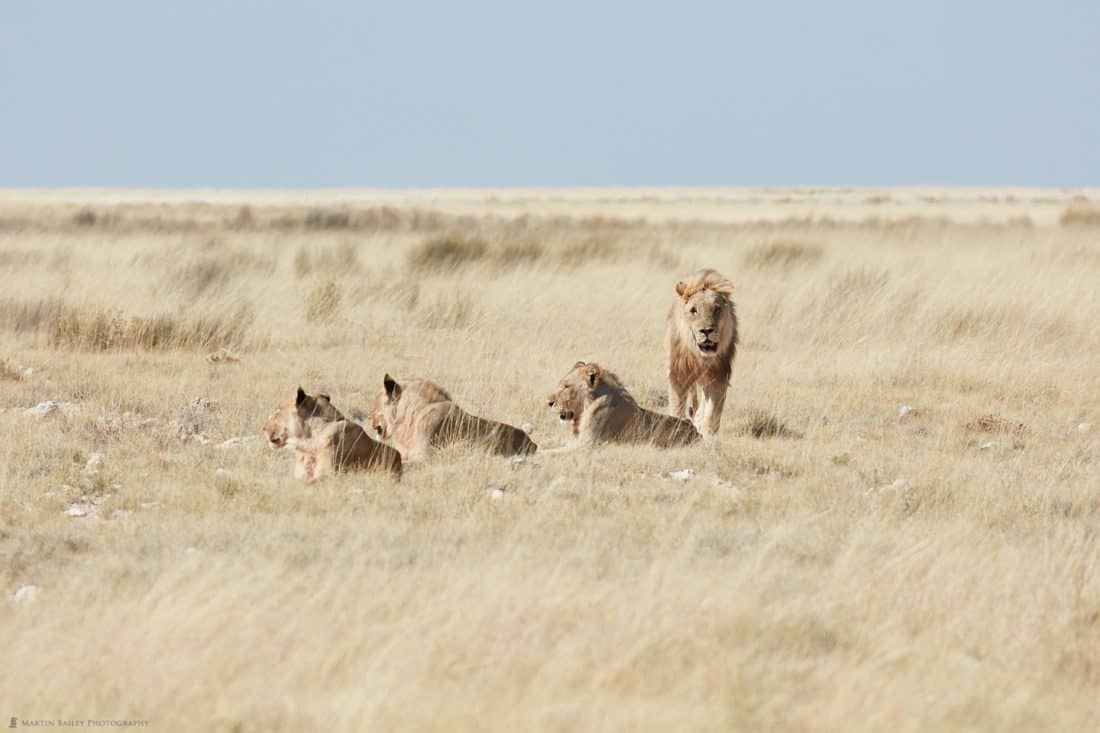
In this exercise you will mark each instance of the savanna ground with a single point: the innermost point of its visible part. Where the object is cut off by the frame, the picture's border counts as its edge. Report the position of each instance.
(898, 526)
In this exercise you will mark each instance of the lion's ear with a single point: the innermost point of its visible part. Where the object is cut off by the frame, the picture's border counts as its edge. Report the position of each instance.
(578, 364)
(681, 288)
(592, 375)
(324, 397)
(301, 396)
(393, 389)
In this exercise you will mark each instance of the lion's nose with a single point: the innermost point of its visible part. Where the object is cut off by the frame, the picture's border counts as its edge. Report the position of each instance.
(706, 331)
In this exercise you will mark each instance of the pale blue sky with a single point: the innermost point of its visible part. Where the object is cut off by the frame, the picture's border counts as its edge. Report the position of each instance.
(418, 94)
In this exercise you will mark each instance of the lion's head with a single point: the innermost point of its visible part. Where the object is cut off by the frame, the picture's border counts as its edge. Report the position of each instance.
(396, 401)
(291, 421)
(575, 391)
(704, 315)
(384, 414)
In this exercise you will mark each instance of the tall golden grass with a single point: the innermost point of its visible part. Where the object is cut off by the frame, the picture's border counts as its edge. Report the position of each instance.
(897, 527)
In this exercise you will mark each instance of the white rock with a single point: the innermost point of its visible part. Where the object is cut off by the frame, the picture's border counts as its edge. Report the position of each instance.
(79, 509)
(558, 482)
(26, 594)
(516, 462)
(149, 504)
(496, 493)
(905, 410)
(194, 419)
(527, 427)
(990, 445)
(192, 551)
(28, 372)
(1084, 427)
(43, 410)
(94, 464)
(686, 474)
(899, 484)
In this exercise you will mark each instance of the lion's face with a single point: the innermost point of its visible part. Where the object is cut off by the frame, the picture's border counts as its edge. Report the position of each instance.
(706, 315)
(291, 420)
(283, 425)
(574, 391)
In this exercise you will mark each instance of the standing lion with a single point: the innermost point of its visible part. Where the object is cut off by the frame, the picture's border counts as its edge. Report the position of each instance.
(700, 344)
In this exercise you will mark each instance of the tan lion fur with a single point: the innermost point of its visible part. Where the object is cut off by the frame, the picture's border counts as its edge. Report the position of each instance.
(599, 409)
(700, 345)
(416, 417)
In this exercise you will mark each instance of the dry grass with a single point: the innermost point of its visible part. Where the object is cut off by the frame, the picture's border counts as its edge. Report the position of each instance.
(1083, 213)
(323, 302)
(781, 254)
(834, 563)
(105, 329)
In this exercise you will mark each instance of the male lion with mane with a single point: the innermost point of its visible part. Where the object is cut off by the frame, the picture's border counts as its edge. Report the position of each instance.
(700, 345)
(339, 444)
(599, 410)
(419, 416)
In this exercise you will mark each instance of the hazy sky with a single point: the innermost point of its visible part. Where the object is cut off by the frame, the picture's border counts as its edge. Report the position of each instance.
(318, 94)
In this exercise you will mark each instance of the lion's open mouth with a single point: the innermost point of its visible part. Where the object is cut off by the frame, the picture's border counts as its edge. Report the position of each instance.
(708, 347)
(276, 442)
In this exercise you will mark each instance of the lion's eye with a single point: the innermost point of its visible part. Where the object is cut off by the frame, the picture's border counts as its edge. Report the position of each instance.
(694, 311)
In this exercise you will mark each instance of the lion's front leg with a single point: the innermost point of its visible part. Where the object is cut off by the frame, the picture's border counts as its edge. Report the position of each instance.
(680, 402)
(709, 415)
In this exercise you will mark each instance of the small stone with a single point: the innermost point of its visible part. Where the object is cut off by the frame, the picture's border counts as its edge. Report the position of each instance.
(223, 482)
(683, 475)
(149, 504)
(905, 410)
(26, 594)
(1084, 427)
(28, 372)
(559, 482)
(824, 420)
(192, 551)
(898, 484)
(496, 493)
(990, 445)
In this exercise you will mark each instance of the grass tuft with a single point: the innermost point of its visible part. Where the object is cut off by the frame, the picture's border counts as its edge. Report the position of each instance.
(1081, 214)
(761, 423)
(781, 255)
(447, 252)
